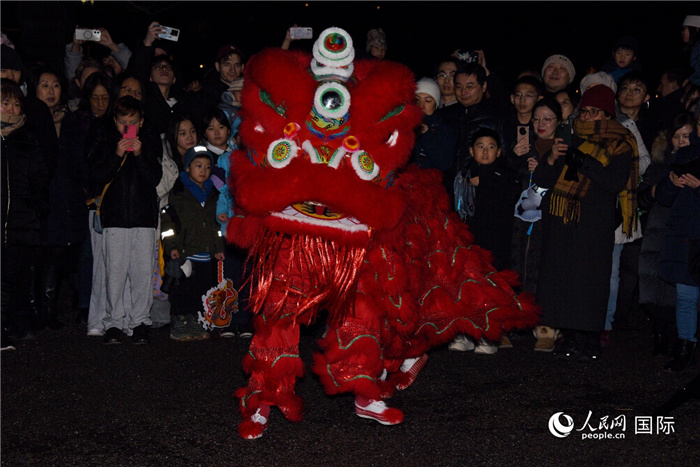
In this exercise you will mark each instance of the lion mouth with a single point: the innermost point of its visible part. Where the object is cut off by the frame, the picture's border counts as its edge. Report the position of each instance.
(321, 215)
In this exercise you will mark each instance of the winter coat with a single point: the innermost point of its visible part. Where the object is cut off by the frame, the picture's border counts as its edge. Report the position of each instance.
(576, 262)
(435, 148)
(188, 226)
(25, 189)
(683, 222)
(653, 289)
(68, 214)
(131, 200)
(495, 198)
(465, 121)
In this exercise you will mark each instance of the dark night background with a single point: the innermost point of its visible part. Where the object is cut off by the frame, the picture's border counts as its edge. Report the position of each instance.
(514, 35)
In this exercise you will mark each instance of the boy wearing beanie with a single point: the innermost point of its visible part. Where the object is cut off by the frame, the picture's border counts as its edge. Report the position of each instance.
(191, 232)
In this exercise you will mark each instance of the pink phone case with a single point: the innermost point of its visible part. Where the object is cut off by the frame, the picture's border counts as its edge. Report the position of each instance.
(129, 132)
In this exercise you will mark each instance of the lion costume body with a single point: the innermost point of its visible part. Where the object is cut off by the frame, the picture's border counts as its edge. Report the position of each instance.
(336, 221)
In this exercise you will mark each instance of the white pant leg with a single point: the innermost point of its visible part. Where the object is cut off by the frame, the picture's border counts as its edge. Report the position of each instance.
(98, 297)
(116, 248)
(140, 274)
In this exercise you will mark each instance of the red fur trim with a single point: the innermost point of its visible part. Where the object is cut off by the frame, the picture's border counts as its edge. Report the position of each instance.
(341, 189)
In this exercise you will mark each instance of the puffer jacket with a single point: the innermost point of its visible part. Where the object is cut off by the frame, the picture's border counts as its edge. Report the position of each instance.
(25, 189)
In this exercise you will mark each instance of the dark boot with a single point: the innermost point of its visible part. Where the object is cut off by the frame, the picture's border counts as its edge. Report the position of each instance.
(660, 333)
(683, 356)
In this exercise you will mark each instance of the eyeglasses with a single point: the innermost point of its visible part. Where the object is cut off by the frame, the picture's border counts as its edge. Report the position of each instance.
(633, 91)
(100, 99)
(545, 120)
(162, 68)
(593, 112)
(444, 75)
(132, 91)
(469, 86)
(527, 96)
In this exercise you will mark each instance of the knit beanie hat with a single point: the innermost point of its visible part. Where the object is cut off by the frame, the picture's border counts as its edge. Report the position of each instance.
(600, 77)
(563, 61)
(9, 59)
(375, 38)
(429, 87)
(692, 21)
(197, 151)
(601, 97)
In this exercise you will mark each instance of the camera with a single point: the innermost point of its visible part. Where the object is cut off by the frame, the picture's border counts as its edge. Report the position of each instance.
(170, 34)
(468, 57)
(88, 34)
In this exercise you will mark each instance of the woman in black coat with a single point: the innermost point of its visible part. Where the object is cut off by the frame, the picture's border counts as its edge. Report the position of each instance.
(68, 215)
(25, 206)
(656, 296)
(680, 191)
(579, 221)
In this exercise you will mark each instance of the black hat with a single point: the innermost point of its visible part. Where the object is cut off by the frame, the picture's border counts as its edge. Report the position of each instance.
(9, 59)
(627, 42)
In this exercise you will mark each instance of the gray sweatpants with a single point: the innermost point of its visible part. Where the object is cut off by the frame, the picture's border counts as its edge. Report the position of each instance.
(129, 262)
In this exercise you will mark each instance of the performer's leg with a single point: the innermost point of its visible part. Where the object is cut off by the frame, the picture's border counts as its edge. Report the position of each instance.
(274, 365)
(352, 362)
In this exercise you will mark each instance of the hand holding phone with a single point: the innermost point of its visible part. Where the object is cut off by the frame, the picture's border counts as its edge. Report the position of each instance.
(169, 34)
(129, 133)
(523, 133)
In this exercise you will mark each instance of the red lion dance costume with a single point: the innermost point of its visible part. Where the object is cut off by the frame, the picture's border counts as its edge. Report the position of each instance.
(335, 220)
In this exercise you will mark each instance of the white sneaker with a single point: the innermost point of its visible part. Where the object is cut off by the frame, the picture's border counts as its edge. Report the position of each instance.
(377, 410)
(485, 348)
(461, 343)
(96, 332)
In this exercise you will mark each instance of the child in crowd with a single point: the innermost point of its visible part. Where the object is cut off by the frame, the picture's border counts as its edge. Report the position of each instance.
(624, 58)
(489, 200)
(234, 265)
(129, 218)
(190, 231)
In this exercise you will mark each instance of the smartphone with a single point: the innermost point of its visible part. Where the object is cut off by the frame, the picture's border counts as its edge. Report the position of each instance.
(692, 168)
(564, 132)
(523, 133)
(170, 34)
(469, 57)
(88, 35)
(129, 133)
(301, 33)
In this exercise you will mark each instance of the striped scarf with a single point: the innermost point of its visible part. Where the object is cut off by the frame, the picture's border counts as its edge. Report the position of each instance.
(603, 140)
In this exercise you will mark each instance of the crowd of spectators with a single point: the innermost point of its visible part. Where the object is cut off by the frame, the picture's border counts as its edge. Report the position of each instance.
(588, 188)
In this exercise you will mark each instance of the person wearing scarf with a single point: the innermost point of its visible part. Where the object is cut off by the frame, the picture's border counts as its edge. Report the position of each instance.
(25, 205)
(579, 222)
(190, 232)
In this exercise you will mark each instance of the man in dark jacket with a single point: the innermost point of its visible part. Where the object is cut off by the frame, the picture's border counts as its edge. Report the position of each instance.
(228, 66)
(471, 112)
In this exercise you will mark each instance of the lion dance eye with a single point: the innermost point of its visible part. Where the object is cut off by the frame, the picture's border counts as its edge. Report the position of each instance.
(332, 100)
(364, 166)
(281, 152)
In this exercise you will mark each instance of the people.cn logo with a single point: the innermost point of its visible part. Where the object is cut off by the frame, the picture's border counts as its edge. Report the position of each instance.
(559, 429)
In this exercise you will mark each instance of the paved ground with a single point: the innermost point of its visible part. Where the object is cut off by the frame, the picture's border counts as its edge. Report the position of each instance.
(67, 399)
